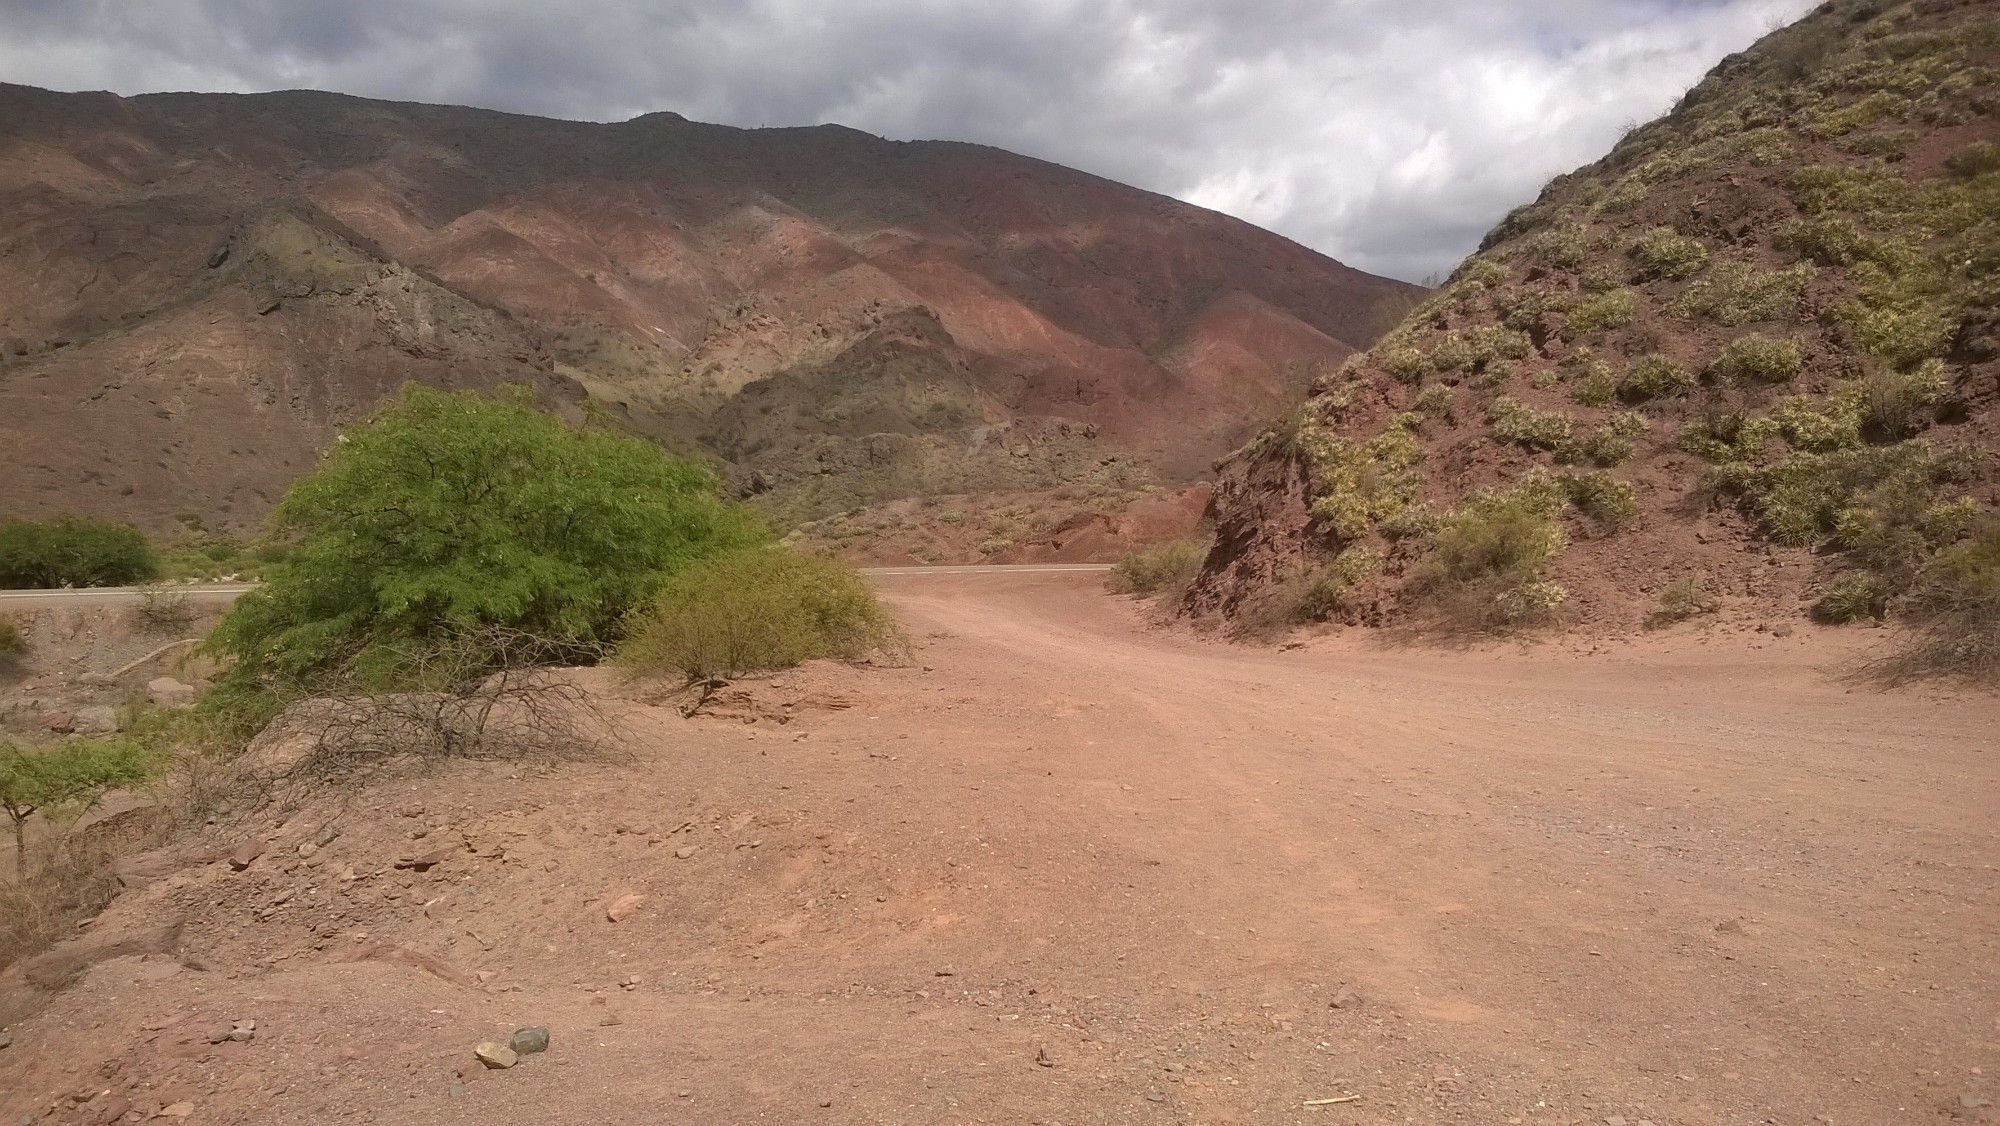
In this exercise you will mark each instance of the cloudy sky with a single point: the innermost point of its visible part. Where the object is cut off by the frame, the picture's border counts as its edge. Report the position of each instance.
(1388, 133)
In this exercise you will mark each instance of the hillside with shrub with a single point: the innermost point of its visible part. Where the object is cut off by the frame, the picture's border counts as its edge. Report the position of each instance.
(1749, 362)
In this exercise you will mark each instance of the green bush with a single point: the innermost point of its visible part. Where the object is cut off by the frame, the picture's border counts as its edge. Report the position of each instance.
(12, 642)
(1602, 497)
(449, 516)
(1655, 377)
(1685, 597)
(1954, 610)
(1975, 159)
(1758, 359)
(1851, 597)
(1664, 253)
(65, 774)
(1829, 240)
(755, 609)
(1560, 247)
(1726, 436)
(73, 551)
(1600, 313)
(1521, 425)
(1167, 568)
(1898, 404)
(1737, 293)
(1597, 387)
(1326, 593)
(1486, 568)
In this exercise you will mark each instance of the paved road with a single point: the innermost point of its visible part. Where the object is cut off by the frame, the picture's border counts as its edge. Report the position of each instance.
(223, 592)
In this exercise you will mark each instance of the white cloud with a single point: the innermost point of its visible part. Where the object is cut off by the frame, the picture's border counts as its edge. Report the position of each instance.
(1388, 133)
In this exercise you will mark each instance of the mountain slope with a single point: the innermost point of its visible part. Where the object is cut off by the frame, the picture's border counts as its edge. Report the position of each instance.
(1748, 360)
(194, 289)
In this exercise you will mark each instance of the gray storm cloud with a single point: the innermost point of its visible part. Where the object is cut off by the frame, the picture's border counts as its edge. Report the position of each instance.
(1388, 133)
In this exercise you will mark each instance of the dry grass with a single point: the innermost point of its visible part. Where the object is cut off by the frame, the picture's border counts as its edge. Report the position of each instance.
(1164, 569)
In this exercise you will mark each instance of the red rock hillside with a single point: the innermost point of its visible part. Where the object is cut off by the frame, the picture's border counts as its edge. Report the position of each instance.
(195, 289)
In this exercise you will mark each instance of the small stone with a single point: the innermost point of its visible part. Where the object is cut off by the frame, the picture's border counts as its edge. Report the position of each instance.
(825, 1103)
(243, 1031)
(6, 1040)
(1615, 1120)
(1729, 926)
(622, 907)
(1781, 631)
(610, 1020)
(683, 852)
(166, 692)
(218, 1033)
(527, 1041)
(456, 1090)
(684, 1094)
(1156, 1097)
(115, 1108)
(1042, 1056)
(498, 1057)
(246, 854)
(427, 861)
(1345, 999)
(176, 1110)
(97, 680)
(96, 720)
(1970, 1101)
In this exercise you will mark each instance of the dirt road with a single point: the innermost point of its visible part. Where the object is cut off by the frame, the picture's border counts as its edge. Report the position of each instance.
(1072, 869)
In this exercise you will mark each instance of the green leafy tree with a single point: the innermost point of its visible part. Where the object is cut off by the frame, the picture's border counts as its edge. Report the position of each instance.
(449, 513)
(72, 551)
(76, 771)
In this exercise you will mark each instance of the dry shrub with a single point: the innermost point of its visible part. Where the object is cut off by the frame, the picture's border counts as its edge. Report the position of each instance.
(13, 642)
(757, 609)
(1685, 597)
(43, 906)
(1168, 568)
(163, 609)
(485, 692)
(1486, 569)
(1954, 613)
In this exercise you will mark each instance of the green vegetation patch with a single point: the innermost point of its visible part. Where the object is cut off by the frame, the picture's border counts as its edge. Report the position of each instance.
(1758, 359)
(1738, 293)
(1167, 568)
(448, 514)
(1664, 253)
(1328, 592)
(754, 609)
(1486, 570)
(73, 551)
(1601, 313)
(1655, 377)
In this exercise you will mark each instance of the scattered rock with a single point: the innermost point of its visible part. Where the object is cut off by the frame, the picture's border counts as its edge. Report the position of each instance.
(498, 1057)
(1615, 1120)
(1156, 1096)
(683, 852)
(115, 1108)
(1345, 999)
(220, 256)
(97, 719)
(456, 1090)
(180, 1109)
(1042, 1056)
(166, 692)
(427, 861)
(62, 723)
(1970, 1101)
(623, 906)
(97, 680)
(1781, 631)
(610, 1020)
(246, 854)
(528, 1041)
(1729, 926)
(242, 1031)
(6, 1040)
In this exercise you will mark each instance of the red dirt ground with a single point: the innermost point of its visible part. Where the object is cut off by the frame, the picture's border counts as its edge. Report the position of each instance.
(1692, 879)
